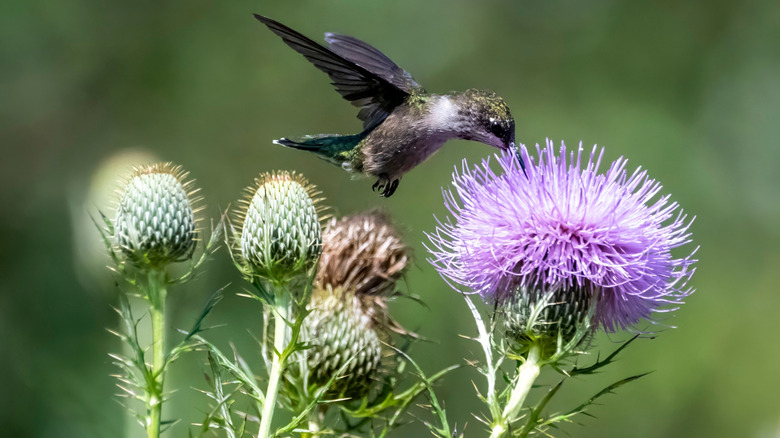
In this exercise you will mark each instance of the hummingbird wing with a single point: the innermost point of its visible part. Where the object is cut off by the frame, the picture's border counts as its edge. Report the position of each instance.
(373, 93)
(368, 57)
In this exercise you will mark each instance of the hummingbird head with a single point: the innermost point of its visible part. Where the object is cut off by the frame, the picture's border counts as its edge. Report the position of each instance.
(485, 118)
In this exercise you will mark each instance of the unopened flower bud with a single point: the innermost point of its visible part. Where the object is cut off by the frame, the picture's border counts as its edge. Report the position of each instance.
(280, 235)
(343, 342)
(155, 223)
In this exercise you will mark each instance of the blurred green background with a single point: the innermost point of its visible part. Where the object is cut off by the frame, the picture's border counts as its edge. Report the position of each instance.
(688, 90)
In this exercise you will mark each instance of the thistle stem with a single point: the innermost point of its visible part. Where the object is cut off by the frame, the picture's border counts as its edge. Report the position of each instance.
(154, 392)
(526, 375)
(282, 309)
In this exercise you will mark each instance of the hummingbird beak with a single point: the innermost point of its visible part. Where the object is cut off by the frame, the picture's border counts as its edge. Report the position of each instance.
(513, 148)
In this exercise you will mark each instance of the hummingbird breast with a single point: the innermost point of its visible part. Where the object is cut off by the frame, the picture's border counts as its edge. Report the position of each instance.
(408, 136)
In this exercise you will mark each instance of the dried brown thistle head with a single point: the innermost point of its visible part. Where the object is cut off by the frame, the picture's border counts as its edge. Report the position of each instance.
(362, 253)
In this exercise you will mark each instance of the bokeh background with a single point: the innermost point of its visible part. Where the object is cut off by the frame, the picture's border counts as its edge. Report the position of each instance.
(688, 90)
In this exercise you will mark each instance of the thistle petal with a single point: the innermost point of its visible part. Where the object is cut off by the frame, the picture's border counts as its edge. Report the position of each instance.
(560, 224)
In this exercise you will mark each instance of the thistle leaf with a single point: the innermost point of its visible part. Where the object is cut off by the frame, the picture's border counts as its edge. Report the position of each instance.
(582, 407)
(237, 369)
(600, 363)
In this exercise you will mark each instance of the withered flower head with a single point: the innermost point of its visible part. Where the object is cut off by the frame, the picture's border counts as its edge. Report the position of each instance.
(362, 253)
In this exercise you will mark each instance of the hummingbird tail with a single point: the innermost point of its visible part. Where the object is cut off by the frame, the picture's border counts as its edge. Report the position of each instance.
(311, 145)
(336, 149)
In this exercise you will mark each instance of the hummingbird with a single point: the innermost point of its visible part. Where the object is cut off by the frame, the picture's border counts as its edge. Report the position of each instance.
(402, 124)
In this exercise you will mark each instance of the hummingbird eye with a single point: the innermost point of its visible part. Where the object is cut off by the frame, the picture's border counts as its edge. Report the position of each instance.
(498, 130)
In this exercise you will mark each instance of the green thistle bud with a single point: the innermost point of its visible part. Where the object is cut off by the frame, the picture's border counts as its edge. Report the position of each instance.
(155, 224)
(280, 234)
(545, 318)
(343, 340)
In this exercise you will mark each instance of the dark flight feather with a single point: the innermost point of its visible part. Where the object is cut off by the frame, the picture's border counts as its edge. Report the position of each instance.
(368, 57)
(372, 92)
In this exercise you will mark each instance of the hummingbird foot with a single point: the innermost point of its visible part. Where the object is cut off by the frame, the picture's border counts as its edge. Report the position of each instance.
(385, 186)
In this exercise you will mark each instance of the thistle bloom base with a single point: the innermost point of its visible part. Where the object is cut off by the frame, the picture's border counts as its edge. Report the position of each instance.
(557, 322)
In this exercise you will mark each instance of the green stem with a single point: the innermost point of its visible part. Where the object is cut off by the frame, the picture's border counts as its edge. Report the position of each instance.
(526, 375)
(485, 341)
(282, 309)
(157, 292)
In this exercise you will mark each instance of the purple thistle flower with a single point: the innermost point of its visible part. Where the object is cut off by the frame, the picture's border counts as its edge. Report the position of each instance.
(561, 225)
